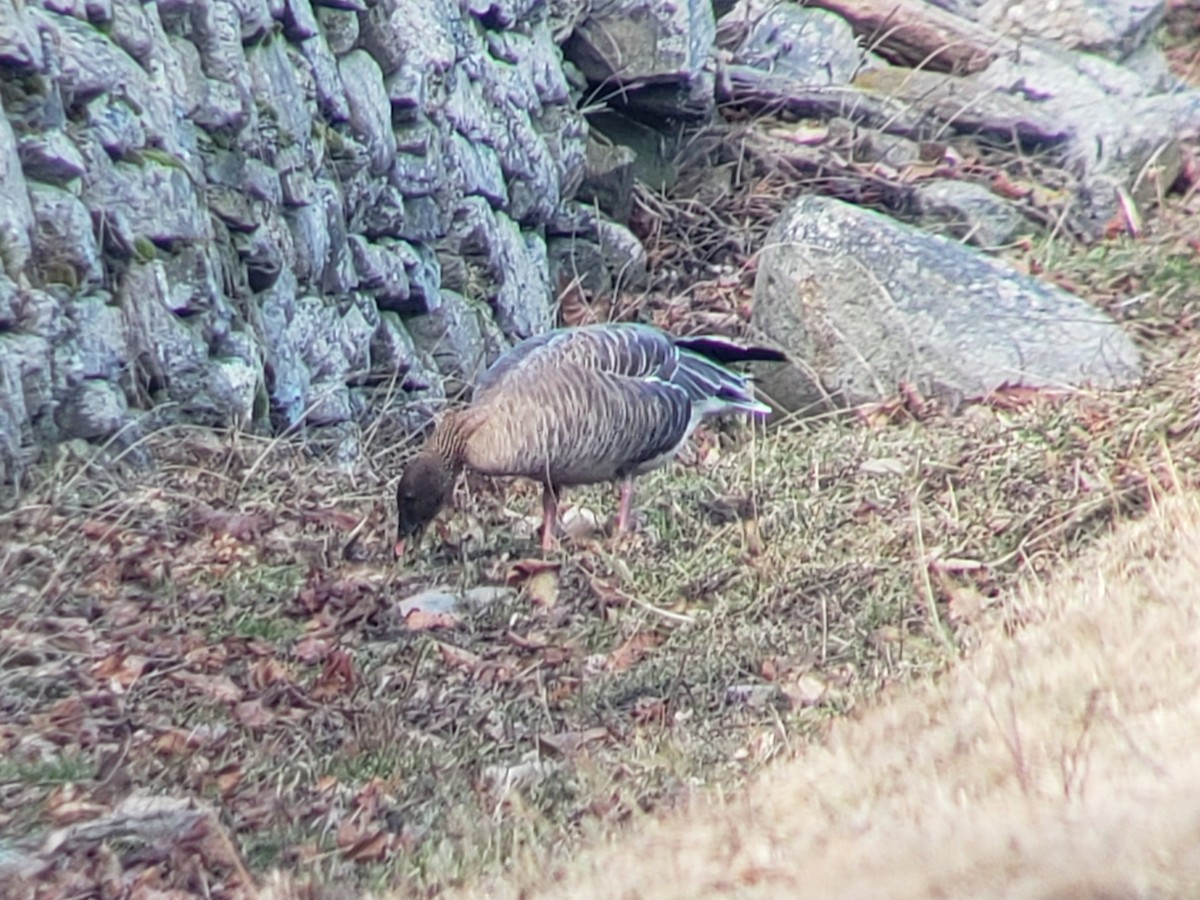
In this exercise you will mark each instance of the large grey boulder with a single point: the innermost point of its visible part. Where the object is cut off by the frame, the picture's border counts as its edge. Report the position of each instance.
(863, 303)
(1111, 28)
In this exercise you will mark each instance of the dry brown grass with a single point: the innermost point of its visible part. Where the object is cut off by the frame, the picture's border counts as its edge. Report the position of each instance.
(1059, 761)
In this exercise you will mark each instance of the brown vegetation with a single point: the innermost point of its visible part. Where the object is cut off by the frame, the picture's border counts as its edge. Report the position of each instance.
(1057, 761)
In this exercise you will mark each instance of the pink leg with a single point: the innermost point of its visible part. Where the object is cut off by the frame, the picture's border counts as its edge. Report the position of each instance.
(549, 517)
(624, 509)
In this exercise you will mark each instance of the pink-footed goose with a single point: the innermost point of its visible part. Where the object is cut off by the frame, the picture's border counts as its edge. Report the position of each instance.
(579, 406)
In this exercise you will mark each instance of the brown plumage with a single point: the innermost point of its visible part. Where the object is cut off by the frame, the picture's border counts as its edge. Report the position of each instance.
(579, 406)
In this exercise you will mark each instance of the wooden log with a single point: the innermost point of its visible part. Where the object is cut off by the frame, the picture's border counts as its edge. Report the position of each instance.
(918, 34)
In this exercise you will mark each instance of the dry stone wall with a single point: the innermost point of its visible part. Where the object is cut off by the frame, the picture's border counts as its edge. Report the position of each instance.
(259, 211)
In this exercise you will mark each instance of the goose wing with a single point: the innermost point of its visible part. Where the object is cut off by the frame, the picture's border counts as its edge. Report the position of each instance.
(617, 348)
(580, 426)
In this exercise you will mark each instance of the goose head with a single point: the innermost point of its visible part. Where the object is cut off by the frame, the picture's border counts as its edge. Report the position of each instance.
(425, 487)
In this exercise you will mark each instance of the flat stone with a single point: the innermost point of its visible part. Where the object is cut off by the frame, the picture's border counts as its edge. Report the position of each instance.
(327, 81)
(378, 211)
(115, 127)
(519, 269)
(966, 105)
(299, 21)
(217, 35)
(64, 245)
(262, 256)
(453, 336)
(150, 200)
(51, 157)
(370, 109)
(578, 260)
(26, 377)
(396, 32)
(191, 277)
(479, 168)
(92, 409)
(608, 178)
(20, 46)
(811, 46)
(132, 29)
(864, 303)
(287, 376)
(623, 254)
(383, 271)
(393, 352)
(16, 215)
(339, 28)
(622, 42)
(970, 212)
(275, 85)
(328, 402)
(1112, 28)
(98, 346)
(171, 353)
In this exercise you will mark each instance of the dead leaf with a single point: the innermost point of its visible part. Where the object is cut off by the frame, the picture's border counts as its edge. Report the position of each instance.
(374, 847)
(228, 778)
(458, 658)
(216, 687)
(419, 620)
(538, 578)
(252, 714)
(965, 603)
(650, 711)
(570, 742)
(330, 518)
(245, 527)
(266, 672)
(607, 593)
(807, 690)
(337, 678)
(119, 670)
(311, 649)
(174, 742)
(628, 654)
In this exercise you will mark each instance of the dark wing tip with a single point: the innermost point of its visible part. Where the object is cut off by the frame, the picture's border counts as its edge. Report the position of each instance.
(723, 350)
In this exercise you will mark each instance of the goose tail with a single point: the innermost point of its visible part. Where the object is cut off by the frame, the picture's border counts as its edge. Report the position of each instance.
(725, 351)
(714, 389)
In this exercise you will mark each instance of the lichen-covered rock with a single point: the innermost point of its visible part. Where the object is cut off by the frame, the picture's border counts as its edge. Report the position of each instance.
(51, 157)
(862, 303)
(100, 348)
(339, 27)
(970, 212)
(16, 215)
(651, 49)
(20, 46)
(64, 246)
(370, 109)
(416, 32)
(255, 181)
(91, 409)
(453, 336)
(217, 30)
(382, 270)
(811, 46)
(153, 200)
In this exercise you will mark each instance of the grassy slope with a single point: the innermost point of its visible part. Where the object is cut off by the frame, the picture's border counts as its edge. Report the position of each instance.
(1055, 762)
